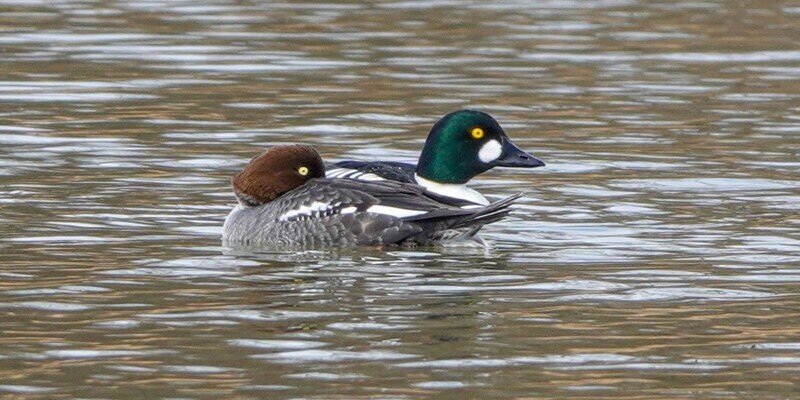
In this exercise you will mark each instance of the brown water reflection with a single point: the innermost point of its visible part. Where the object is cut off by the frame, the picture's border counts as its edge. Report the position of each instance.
(655, 257)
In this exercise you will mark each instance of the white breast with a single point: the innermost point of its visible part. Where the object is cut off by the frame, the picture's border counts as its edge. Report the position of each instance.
(452, 190)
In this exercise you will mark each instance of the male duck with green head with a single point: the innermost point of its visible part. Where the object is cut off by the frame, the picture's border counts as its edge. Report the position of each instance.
(461, 145)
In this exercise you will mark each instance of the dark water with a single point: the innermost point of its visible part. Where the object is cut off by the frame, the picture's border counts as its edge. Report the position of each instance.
(657, 256)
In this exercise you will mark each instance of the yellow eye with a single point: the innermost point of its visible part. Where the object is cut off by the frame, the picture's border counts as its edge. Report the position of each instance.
(477, 133)
(302, 171)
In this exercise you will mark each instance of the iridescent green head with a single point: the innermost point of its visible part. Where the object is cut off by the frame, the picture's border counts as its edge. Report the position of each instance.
(466, 143)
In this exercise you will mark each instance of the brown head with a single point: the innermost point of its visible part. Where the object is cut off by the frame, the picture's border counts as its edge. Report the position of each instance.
(275, 172)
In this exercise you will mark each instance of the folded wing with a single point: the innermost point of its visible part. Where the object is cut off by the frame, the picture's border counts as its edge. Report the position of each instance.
(372, 171)
(384, 212)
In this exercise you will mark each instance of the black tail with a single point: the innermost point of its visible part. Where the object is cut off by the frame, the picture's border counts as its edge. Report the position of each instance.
(486, 215)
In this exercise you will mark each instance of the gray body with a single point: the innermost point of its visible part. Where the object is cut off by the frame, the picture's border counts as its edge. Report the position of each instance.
(341, 217)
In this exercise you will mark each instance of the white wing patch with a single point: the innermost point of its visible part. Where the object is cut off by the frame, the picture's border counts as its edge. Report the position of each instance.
(338, 172)
(319, 209)
(490, 151)
(395, 211)
(316, 209)
(352, 174)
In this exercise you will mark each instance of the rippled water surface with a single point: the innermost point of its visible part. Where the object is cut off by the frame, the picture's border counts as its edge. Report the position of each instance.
(656, 256)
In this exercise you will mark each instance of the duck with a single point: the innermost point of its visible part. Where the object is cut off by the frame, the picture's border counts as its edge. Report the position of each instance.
(284, 199)
(460, 146)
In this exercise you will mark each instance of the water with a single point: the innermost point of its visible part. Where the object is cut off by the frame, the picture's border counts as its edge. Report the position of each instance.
(657, 255)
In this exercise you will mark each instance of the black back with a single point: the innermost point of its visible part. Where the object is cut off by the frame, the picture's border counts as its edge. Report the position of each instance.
(390, 170)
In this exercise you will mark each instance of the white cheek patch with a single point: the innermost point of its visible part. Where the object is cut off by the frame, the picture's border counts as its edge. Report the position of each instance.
(490, 151)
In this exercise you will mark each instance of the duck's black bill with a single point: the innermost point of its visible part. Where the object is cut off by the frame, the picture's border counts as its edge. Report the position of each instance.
(517, 158)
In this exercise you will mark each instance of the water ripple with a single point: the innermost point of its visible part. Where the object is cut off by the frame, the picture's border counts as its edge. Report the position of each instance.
(654, 256)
